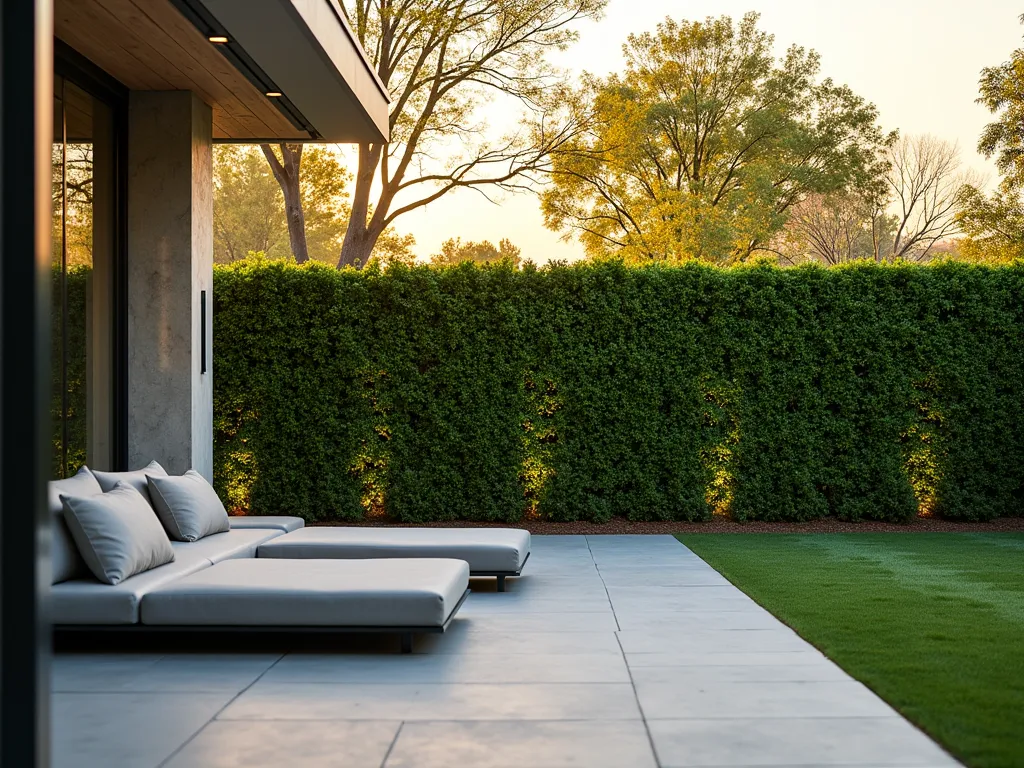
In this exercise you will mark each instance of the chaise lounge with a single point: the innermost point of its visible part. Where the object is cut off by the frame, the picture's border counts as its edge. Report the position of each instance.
(116, 569)
(499, 552)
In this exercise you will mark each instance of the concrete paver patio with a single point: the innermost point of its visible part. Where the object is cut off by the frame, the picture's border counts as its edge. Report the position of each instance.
(611, 652)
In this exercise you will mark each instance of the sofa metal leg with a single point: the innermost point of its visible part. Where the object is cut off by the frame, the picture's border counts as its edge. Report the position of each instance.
(406, 642)
(501, 583)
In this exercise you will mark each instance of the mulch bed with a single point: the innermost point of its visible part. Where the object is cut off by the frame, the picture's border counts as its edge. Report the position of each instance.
(724, 525)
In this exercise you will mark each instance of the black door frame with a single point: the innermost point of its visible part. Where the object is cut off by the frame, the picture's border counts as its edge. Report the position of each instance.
(26, 102)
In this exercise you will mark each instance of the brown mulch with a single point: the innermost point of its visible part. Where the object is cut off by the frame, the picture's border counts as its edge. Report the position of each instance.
(725, 525)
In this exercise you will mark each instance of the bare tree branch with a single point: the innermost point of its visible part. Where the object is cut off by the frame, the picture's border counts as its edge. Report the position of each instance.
(443, 60)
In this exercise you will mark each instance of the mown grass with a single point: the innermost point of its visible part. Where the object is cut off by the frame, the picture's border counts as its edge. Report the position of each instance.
(933, 623)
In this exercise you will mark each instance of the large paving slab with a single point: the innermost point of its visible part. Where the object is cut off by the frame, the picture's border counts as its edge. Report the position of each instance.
(609, 652)
(226, 744)
(772, 741)
(126, 730)
(548, 744)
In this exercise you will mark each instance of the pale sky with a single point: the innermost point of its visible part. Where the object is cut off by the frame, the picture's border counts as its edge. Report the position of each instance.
(918, 61)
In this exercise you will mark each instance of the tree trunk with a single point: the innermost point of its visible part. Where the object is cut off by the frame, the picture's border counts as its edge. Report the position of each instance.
(360, 237)
(358, 245)
(287, 175)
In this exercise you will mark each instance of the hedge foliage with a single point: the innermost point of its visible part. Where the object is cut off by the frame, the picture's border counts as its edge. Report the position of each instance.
(74, 357)
(596, 390)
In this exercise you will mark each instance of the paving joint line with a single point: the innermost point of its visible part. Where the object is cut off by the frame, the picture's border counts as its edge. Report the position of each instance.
(217, 714)
(639, 706)
(629, 671)
(391, 746)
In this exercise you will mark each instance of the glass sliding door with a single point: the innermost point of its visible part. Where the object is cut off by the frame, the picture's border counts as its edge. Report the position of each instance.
(85, 257)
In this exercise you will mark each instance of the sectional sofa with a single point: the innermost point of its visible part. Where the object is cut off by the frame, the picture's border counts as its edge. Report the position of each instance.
(263, 573)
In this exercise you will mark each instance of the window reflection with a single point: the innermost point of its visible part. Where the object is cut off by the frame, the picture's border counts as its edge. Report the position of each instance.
(83, 232)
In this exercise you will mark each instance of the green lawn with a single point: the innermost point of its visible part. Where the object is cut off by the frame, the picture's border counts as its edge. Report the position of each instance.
(934, 623)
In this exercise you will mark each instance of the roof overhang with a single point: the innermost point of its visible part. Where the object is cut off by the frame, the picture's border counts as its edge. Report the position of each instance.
(310, 54)
(303, 50)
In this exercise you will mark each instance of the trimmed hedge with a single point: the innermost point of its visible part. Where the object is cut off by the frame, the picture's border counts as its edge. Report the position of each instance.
(77, 291)
(598, 390)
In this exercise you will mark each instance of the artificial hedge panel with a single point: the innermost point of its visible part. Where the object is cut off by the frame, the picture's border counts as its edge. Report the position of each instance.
(597, 390)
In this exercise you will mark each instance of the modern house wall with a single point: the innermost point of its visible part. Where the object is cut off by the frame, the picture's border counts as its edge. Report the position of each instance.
(170, 266)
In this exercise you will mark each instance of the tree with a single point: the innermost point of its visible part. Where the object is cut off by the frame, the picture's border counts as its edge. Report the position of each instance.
(1002, 93)
(442, 61)
(78, 177)
(250, 209)
(911, 216)
(392, 248)
(925, 181)
(454, 251)
(700, 148)
(324, 200)
(993, 225)
(836, 229)
(286, 171)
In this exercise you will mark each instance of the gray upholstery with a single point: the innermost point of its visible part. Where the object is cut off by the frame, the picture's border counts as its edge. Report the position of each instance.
(277, 522)
(230, 545)
(65, 558)
(88, 601)
(187, 506)
(117, 533)
(485, 549)
(136, 478)
(327, 593)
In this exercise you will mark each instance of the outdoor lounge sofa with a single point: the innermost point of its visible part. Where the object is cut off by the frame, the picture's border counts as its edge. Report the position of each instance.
(500, 552)
(219, 583)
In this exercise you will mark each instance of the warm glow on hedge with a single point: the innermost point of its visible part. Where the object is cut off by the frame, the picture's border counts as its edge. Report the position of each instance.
(597, 390)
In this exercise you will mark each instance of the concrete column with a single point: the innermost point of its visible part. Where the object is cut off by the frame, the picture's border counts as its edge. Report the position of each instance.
(170, 262)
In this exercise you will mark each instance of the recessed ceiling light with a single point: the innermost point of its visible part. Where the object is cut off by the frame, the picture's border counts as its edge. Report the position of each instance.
(218, 39)
(273, 93)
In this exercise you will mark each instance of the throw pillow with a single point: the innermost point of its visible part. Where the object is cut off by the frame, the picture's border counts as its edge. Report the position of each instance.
(188, 506)
(136, 479)
(117, 533)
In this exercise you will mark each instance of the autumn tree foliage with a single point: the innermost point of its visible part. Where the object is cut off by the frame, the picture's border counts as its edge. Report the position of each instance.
(700, 148)
(250, 212)
(994, 223)
(454, 251)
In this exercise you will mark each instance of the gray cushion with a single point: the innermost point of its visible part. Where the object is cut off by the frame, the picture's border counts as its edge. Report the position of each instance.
(277, 522)
(65, 559)
(136, 478)
(227, 546)
(88, 601)
(306, 593)
(485, 549)
(117, 533)
(188, 506)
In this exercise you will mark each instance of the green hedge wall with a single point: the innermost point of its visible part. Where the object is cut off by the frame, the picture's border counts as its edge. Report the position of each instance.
(597, 390)
(77, 291)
